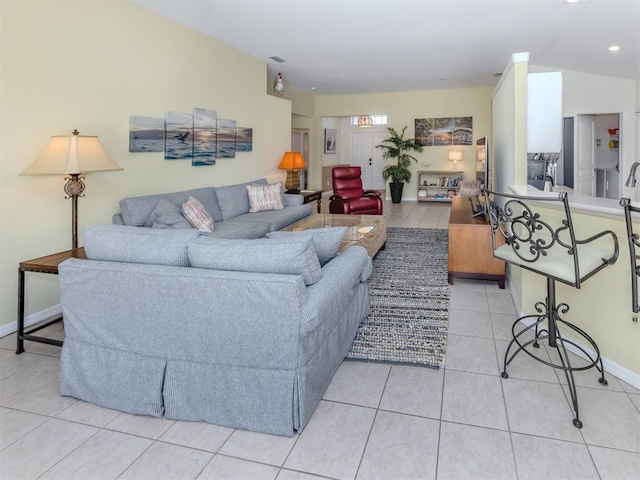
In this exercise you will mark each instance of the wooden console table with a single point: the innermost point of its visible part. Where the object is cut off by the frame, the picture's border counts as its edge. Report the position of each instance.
(470, 248)
(48, 264)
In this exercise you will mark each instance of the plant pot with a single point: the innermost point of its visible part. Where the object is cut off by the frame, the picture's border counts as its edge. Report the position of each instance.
(396, 191)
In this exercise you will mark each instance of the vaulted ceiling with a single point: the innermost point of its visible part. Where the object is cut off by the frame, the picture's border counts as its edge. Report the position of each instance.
(375, 46)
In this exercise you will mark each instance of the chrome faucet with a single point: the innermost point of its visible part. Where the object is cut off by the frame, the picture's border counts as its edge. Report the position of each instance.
(549, 178)
(631, 181)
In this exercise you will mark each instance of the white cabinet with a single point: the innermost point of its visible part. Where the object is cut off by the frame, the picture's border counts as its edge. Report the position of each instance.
(612, 185)
(607, 183)
(544, 112)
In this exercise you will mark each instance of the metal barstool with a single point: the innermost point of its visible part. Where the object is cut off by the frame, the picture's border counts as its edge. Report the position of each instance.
(634, 249)
(539, 237)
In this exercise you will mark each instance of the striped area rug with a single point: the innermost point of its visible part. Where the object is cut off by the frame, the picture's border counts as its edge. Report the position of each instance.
(409, 301)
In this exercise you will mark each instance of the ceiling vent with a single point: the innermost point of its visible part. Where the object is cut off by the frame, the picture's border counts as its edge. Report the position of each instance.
(277, 59)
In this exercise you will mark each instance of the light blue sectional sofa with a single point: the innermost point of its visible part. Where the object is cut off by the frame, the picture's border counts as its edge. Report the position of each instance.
(245, 333)
(228, 206)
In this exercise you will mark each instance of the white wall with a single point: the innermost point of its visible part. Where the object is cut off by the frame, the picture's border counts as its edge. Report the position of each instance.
(90, 66)
(585, 93)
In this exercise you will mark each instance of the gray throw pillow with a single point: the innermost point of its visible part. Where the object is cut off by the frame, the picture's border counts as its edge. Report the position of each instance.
(326, 241)
(260, 255)
(168, 215)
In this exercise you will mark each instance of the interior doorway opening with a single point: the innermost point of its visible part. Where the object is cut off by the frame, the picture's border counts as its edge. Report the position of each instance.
(592, 156)
(300, 143)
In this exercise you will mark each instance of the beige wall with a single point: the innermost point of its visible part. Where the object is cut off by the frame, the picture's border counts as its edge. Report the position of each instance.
(402, 108)
(90, 66)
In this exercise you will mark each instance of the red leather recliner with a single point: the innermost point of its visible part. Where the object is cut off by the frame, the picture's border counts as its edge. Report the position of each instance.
(348, 195)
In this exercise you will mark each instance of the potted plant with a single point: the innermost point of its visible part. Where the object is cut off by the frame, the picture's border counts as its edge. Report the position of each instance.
(398, 147)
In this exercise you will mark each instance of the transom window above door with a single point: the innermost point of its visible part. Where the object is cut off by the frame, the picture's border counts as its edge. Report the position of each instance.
(377, 119)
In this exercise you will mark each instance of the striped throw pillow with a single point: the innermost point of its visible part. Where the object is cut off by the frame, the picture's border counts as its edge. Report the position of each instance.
(265, 197)
(196, 215)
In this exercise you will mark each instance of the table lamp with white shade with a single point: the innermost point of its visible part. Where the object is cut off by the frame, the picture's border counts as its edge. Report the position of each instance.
(455, 156)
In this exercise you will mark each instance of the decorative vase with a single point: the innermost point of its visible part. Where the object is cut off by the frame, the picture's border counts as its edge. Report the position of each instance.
(396, 191)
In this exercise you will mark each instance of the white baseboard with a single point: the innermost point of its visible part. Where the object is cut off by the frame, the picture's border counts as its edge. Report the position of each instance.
(32, 319)
(623, 373)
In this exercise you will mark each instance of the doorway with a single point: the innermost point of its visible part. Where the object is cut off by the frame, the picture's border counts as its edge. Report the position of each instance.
(597, 144)
(300, 143)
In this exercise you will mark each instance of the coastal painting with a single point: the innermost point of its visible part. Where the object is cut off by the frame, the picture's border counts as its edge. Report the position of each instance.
(201, 136)
(204, 137)
(444, 131)
(178, 142)
(244, 139)
(226, 144)
(146, 134)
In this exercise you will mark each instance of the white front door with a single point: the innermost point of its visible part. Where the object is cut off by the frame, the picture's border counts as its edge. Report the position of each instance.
(586, 154)
(365, 155)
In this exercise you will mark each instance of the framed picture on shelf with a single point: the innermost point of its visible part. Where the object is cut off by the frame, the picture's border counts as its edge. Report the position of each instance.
(330, 140)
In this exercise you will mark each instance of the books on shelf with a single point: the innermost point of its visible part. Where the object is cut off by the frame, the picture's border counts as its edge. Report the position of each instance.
(448, 181)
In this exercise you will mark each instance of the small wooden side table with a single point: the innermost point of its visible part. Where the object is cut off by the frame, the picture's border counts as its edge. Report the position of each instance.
(48, 264)
(311, 195)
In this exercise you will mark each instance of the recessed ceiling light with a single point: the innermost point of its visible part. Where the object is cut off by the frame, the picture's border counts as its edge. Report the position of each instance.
(571, 1)
(614, 48)
(313, 88)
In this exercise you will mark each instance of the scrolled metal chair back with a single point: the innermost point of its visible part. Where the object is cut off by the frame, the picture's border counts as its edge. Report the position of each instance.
(523, 227)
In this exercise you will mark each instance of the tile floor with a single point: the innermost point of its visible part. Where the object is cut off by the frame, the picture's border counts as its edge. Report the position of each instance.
(376, 421)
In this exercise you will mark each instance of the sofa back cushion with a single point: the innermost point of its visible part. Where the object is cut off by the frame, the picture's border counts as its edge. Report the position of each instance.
(168, 215)
(137, 211)
(234, 199)
(326, 241)
(122, 243)
(261, 255)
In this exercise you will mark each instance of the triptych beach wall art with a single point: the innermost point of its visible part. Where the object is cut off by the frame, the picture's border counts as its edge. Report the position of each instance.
(201, 136)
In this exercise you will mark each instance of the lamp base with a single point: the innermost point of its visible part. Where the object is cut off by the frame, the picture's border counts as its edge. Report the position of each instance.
(293, 181)
(292, 191)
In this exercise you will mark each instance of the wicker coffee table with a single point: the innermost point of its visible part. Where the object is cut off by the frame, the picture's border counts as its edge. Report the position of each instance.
(368, 231)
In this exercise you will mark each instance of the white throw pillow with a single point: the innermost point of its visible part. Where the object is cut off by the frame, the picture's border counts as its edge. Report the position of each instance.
(196, 215)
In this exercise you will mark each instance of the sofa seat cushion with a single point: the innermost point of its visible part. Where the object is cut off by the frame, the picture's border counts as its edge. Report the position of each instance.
(278, 219)
(234, 199)
(326, 241)
(122, 243)
(262, 255)
(246, 230)
(137, 211)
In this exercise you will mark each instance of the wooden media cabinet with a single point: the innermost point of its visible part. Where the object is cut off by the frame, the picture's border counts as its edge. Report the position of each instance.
(470, 248)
